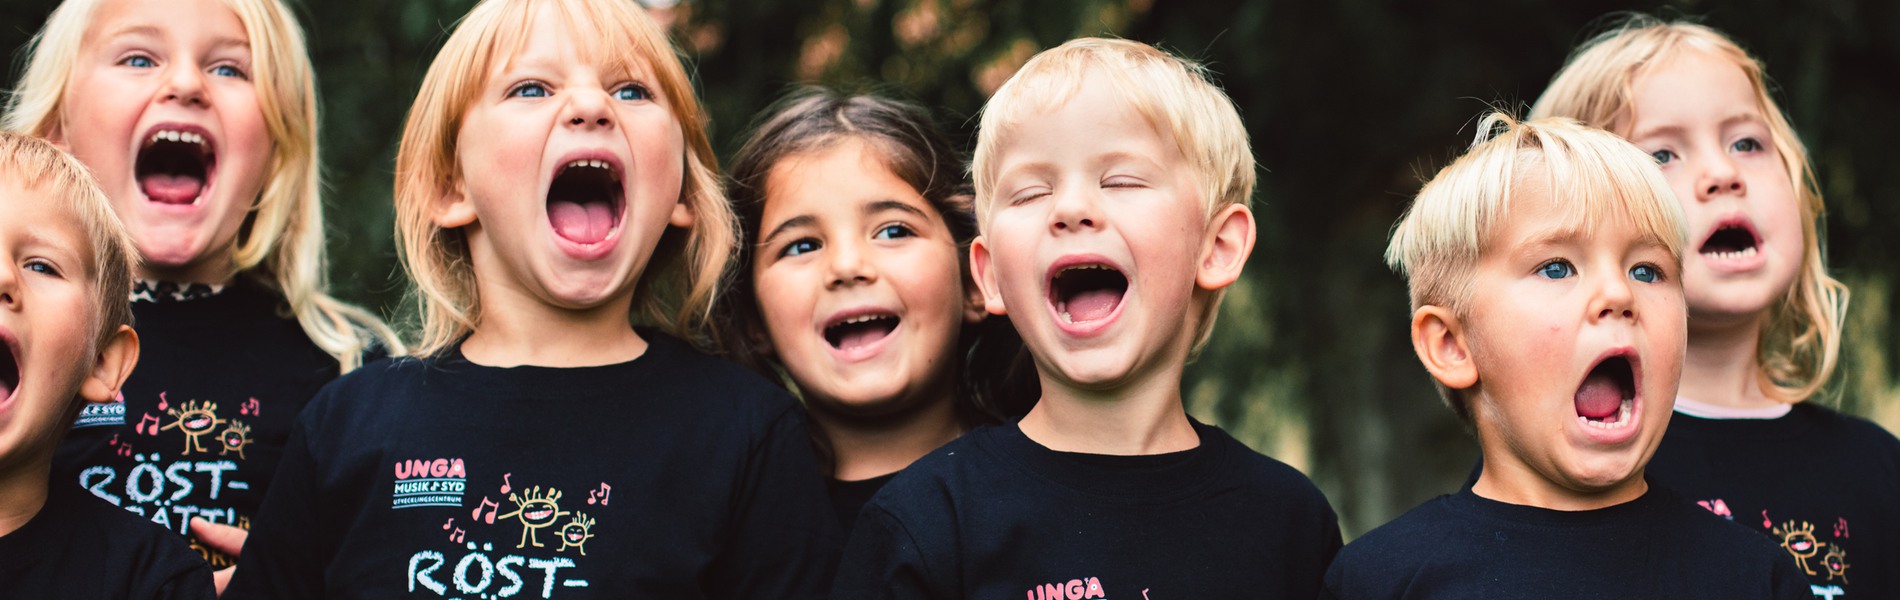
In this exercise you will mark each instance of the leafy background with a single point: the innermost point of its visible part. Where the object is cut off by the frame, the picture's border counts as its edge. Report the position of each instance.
(1349, 105)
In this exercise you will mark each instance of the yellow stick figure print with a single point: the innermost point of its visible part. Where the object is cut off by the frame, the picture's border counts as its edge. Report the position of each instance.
(195, 419)
(1800, 542)
(576, 533)
(536, 510)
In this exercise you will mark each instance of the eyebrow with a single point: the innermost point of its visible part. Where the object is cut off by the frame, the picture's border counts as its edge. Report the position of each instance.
(150, 31)
(884, 205)
(792, 223)
(1678, 130)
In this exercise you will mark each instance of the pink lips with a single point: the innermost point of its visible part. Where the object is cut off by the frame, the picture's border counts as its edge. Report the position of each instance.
(1101, 316)
(1626, 431)
(587, 230)
(862, 343)
(1735, 261)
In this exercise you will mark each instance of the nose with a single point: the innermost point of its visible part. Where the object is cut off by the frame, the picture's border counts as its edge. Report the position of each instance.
(848, 266)
(185, 84)
(1075, 210)
(589, 109)
(1718, 175)
(1614, 298)
(10, 287)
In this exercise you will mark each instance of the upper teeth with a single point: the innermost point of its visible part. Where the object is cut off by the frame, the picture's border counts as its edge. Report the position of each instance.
(860, 319)
(1734, 254)
(597, 164)
(167, 135)
(1098, 267)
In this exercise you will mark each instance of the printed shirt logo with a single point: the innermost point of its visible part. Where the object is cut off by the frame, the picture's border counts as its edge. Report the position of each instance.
(1073, 589)
(193, 483)
(437, 482)
(101, 415)
(1798, 538)
(538, 517)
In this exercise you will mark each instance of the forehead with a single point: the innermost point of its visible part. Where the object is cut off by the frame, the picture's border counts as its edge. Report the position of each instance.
(1687, 87)
(1538, 215)
(554, 36)
(1095, 121)
(844, 178)
(36, 217)
(183, 18)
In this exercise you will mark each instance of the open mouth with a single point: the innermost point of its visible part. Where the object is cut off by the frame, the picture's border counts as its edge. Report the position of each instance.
(174, 165)
(860, 330)
(1085, 293)
(585, 201)
(9, 371)
(1608, 394)
(536, 515)
(198, 423)
(573, 536)
(1734, 239)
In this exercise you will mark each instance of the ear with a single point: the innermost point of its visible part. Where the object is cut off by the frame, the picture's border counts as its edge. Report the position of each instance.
(985, 275)
(114, 363)
(454, 210)
(1225, 247)
(973, 309)
(1439, 339)
(682, 216)
(57, 135)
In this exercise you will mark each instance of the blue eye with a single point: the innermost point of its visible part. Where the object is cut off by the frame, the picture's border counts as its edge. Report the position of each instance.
(1663, 156)
(227, 71)
(529, 90)
(893, 231)
(1556, 269)
(42, 268)
(139, 62)
(799, 247)
(632, 92)
(1745, 145)
(1646, 273)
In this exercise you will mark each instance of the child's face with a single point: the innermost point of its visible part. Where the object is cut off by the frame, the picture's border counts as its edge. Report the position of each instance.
(1094, 242)
(858, 282)
(568, 174)
(47, 312)
(1698, 114)
(162, 107)
(1577, 338)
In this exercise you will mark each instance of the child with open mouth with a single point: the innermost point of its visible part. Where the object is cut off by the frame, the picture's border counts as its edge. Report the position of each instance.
(199, 117)
(560, 212)
(855, 217)
(1765, 320)
(1545, 274)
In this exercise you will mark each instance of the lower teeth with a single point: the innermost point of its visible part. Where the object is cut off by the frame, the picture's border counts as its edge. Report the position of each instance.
(1622, 417)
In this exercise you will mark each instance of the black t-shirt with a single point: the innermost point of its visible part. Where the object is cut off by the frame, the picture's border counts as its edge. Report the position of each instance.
(849, 497)
(79, 546)
(1823, 486)
(1656, 546)
(996, 515)
(674, 475)
(221, 377)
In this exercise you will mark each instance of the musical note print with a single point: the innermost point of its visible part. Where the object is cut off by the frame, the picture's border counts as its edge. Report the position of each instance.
(600, 494)
(489, 505)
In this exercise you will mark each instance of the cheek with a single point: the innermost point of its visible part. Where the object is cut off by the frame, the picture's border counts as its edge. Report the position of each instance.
(784, 299)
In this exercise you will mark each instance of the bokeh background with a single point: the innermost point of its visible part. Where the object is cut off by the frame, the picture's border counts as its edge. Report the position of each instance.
(1349, 103)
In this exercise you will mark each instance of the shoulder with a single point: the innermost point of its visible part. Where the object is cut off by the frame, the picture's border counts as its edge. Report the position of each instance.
(149, 556)
(930, 488)
(712, 382)
(1265, 472)
(1703, 533)
(1853, 430)
(1396, 550)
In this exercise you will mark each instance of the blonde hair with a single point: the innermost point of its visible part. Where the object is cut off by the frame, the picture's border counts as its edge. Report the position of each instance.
(1174, 95)
(676, 291)
(1799, 345)
(282, 238)
(1592, 174)
(38, 165)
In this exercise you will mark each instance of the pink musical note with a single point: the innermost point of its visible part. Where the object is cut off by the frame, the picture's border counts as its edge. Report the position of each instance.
(115, 440)
(147, 422)
(451, 523)
(249, 408)
(458, 535)
(1840, 528)
(505, 485)
(488, 505)
(600, 494)
(125, 449)
(1766, 523)
(161, 401)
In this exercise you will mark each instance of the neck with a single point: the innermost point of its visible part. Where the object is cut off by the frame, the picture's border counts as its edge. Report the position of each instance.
(865, 448)
(1721, 367)
(23, 494)
(518, 330)
(1144, 417)
(207, 270)
(1510, 481)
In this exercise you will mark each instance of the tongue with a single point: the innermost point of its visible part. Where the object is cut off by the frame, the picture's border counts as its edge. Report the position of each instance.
(171, 189)
(1092, 305)
(583, 223)
(858, 336)
(1599, 397)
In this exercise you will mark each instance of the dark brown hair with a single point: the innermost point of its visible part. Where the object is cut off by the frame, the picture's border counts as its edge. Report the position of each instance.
(997, 379)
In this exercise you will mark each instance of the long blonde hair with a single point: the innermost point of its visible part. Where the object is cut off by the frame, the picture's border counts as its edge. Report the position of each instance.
(676, 291)
(1800, 341)
(281, 242)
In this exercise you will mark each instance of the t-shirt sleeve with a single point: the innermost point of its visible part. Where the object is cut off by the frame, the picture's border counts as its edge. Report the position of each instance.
(193, 583)
(882, 561)
(288, 549)
(785, 539)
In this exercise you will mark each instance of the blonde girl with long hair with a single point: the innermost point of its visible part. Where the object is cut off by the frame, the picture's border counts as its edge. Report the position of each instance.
(560, 211)
(1748, 439)
(199, 119)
